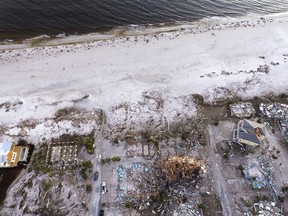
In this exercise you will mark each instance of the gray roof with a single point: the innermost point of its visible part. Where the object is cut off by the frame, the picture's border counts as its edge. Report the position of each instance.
(250, 126)
(249, 136)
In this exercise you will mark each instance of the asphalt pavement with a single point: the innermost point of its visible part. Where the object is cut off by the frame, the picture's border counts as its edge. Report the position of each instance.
(95, 200)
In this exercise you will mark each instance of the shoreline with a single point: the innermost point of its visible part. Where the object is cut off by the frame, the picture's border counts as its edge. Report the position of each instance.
(110, 33)
(239, 59)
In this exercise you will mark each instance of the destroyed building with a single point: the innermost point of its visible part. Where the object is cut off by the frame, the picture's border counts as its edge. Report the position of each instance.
(274, 110)
(267, 209)
(242, 110)
(181, 167)
(277, 113)
(61, 153)
(249, 133)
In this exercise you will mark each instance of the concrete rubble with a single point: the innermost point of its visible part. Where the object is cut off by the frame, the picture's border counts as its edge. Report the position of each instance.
(242, 109)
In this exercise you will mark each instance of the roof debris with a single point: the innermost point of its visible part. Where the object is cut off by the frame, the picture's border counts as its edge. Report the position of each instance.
(278, 113)
(242, 109)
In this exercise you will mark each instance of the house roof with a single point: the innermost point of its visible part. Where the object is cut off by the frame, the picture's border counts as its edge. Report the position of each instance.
(251, 137)
(250, 126)
(4, 150)
(249, 132)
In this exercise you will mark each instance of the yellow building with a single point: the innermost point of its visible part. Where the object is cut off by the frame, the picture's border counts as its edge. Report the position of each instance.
(12, 155)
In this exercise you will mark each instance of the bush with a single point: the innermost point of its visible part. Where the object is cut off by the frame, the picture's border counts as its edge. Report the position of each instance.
(89, 188)
(86, 164)
(38, 162)
(164, 197)
(83, 173)
(116, 159)
(88, 142)
(128, 205)
(281, 198)
(285, 188)
(282, 95)
(241, 168)
(105, 160)
(247, 203)
(185, 135)
(46, 185)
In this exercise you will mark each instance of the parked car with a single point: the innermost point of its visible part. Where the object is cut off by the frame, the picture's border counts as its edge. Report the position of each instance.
(96, 174)
(101, 213)
(104, 188)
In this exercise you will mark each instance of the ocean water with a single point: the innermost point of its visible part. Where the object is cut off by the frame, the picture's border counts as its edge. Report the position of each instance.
(29, 18)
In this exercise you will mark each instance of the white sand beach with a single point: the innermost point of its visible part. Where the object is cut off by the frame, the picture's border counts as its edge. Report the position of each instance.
(239, 57)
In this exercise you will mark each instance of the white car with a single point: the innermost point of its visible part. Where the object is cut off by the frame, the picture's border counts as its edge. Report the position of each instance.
(104, 188)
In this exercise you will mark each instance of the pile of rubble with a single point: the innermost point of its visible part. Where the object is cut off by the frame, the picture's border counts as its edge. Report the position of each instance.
(278, 113)
(259, 174)
(253, 174)
(242, 109)
(188, 209)
(181, 167)
(169, 185)
(267, 209)
(274, 110)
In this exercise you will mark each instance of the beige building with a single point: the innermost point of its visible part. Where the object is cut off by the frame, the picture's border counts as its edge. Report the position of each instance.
(12, 155)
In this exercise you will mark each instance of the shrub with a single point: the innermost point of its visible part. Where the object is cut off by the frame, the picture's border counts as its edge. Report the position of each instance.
(116, 159)
(185, 135)
(88, 142)
(128, 205)
(285, 188)
(247, 203)
(105, 160)
(86, 164)
(83, 173)
(89, 188)
(46, 185)
(282, 95)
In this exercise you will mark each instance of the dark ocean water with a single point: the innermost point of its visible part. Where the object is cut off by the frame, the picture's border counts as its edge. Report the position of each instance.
(27, 18)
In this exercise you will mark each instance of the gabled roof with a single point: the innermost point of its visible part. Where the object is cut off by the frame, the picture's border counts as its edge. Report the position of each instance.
(250, 126)
(249, 137)
(249, 132)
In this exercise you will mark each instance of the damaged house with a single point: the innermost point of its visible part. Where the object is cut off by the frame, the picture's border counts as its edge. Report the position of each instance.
(249, 133)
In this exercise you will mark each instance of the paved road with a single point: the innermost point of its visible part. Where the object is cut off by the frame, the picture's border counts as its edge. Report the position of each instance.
(96, 185)
(220, 182)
